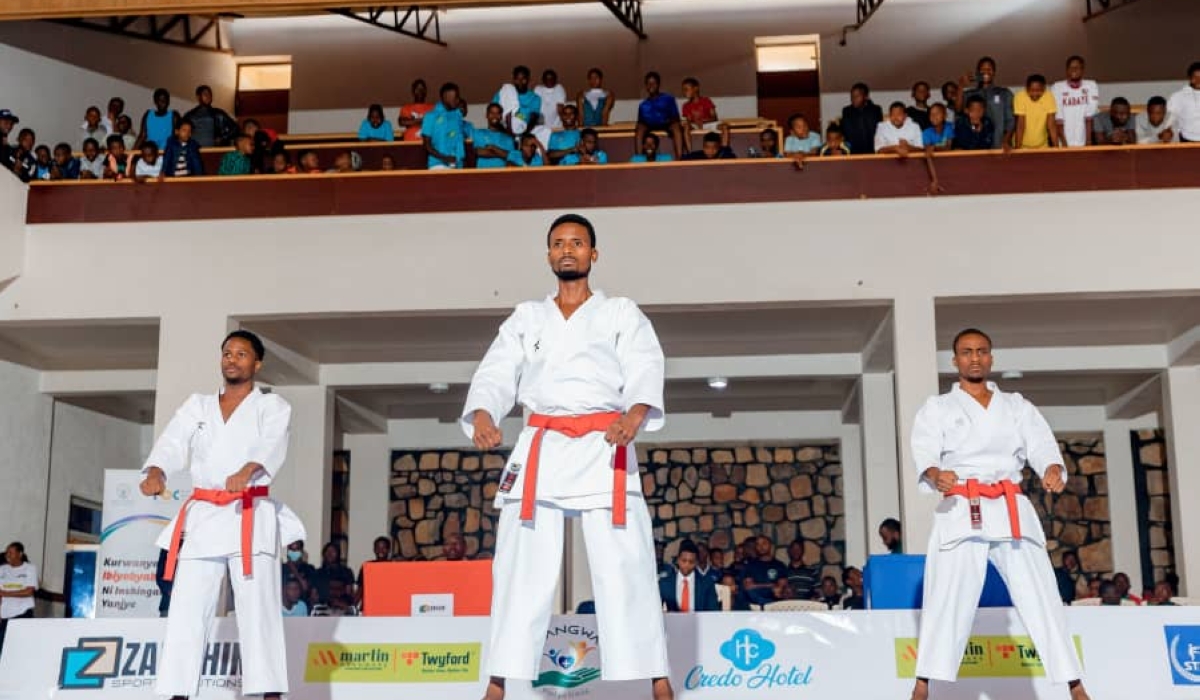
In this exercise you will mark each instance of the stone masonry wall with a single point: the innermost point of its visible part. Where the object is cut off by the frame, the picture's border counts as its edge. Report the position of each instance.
(1152, 484)
(1078, 517)
(437, 492)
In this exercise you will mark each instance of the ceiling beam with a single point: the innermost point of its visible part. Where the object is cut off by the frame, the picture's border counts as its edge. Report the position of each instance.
(1099, 8)
(1138, 401)
(1072, 359)
(865, 10)
(160, 30)
(413, 21)
(629, 12)
(59, 9)
(96, 381)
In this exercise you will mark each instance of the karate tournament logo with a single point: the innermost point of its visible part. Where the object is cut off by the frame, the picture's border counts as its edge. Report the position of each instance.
(392, 663)
(116, 662)
(571, 653)
(1183, 649)
(749, 665)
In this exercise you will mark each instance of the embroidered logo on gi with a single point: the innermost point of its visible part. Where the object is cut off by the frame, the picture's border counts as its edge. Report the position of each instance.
(1183, 649)
(568, 650)
(537, 345)
(510, 477)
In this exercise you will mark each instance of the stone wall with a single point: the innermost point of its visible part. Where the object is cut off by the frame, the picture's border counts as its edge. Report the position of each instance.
(436, 492)
(1078, 517)
(1152, 485)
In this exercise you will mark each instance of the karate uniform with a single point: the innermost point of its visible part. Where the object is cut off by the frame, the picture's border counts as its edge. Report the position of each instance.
(199, 440)
(605, 358)
(955, 432)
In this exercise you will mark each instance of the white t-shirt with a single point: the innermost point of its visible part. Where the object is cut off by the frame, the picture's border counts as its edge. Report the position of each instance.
(888, 134)
(551, 99)
(1075, 105)
(13, 579)
(144, 169)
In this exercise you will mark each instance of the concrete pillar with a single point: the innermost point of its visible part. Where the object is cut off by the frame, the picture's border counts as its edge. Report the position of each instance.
(1122, 502)
(853, 496)
(880, 465)
(370, 493)
(916, 380)
(1181, 415)
(189, 360)
(304, 482)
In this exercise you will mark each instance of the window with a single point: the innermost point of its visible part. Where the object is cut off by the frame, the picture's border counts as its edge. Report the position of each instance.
(264, 76)
(777, 54)
(83, 521)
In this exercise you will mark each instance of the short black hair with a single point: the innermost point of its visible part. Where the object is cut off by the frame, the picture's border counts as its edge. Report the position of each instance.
(589, 132)
(20, 550)
(769, 132)
(969, 331)
(92, 141)
(691, 81)
(1107, 586)
(862, 87)
(653, 137)
(833, 128)
(548, 72)
(497, 105)
(890, 524)
(1192, 69)
(792, 119)
(113, 138)
(63, 146)
(712, 137)
(93, 108)
(573, 219)
(521, 70)
(374, 108)
(918, 84)
(1120, 102)
(688, 546)
(1157, 101)
(418, 81)
(1035, 78)
(186, 122)
(983, 60)
(896, 104)
(385, 540)
(1076, 57)
(653, 74)
(201, 89)
(256, 343)
(41, 147)
(976, 100)
(597, 71)
(161, 92)
(846, 574)
(827, 578)
(937, 105)
(447, 87)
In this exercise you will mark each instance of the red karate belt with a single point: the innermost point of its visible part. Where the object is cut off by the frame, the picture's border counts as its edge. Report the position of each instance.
(219, 497)
(1006, 489)
(574, 427)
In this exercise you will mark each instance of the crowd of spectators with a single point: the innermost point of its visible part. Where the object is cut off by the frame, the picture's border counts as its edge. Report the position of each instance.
(534, 126)
(1077, 588)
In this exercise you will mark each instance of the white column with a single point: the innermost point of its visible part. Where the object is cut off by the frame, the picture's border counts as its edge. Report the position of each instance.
(370, 493)
(916, 380)
(857, 527)
(1122, 502)
(189, 360)
(1181, 409)
(304, 483)
(880, 466)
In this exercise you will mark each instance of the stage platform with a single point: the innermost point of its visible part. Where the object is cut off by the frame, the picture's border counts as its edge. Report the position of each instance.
(1128, 653)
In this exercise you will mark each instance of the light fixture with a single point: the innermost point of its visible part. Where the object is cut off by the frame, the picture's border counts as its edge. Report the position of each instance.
(439, 387)
(1012, 374)
(718, 383)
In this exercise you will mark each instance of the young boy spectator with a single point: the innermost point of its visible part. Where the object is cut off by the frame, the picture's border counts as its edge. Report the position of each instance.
(1036, 112)
(387, 163)
(116, 107)
(1184, 106)
(898, 133)
(442, 131)
(413, 113)
(125, 130)
(531, 153)
(375, 127)
(699, 112)
(918, 111)
(92, 126)
(522, 106)
(801, 140)
(65, 165)
(20, 158)
(493, 144)
(159, 124)
(940, 134)
(91, 163)
(237, 161)
(150, 165)
(553, 97)
(714, 147)
(116, 164)
(310, 164)
(292, 605)
(281, 164)
(1078, 102)
(43, 163)
(974, 130)
(588, 151)
(7, 121)
(768, 144)
(649, 152)
(658, 112)
(211, 126)
(181, 158)
(566, 141)
(860, 119)
(1114, 127)
(997, 100)
(595, 103)
(950, 99)
(835, 142)
(1155, 125)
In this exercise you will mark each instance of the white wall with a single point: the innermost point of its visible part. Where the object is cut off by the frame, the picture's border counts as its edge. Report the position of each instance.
(14, 195)
(24, 458)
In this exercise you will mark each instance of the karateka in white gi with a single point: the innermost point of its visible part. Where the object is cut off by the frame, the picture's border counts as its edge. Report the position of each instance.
(233, 444)
(971, 445)
(589, 370)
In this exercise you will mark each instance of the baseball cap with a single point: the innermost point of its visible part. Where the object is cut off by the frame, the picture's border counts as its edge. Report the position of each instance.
(6, 114)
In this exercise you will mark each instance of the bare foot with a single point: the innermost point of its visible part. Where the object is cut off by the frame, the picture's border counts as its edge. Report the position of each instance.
(921, 690)
(495, 689)
(662, 689)
(1077, 691)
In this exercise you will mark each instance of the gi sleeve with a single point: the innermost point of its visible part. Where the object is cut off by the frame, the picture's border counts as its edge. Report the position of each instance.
(170, 452)
(927, 442)
(1041, 447)
(274, 423)
(494, 386)
(643, 368)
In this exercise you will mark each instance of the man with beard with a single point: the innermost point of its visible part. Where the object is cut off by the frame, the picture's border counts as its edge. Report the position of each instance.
(970, 444)
(588, 369)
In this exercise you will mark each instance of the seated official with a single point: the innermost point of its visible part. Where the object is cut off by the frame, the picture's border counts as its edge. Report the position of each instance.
(688, 591)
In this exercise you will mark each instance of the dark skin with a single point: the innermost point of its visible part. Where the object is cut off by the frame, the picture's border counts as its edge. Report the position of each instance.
(650, 147)
(596, 82)
(570, 251)
(161, 104)
(420, 94)
(449, 101)
(1074, 75)
(1037, 91)
(530, 147)
(675, 128)
(495, 120)
(12, 557)
(570, 120)
(1119, 114)
(763, 551)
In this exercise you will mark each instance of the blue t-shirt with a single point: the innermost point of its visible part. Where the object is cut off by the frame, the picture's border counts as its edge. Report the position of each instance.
(160, 128)
(499, 139)
(573, 159)
(658, 158)
(300, 609)
(658, 111)
(444, 127)
(564, 140)
(808, 144)
(530, 104)
(517, 159)
(930, 136)
(383, 132)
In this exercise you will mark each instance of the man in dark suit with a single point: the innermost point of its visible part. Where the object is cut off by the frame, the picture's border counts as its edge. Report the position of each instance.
(687, 591)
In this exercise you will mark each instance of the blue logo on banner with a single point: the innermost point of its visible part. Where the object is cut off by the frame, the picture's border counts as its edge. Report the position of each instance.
(746, 649)
(748, 653)
(88, 665)
(1183, 649)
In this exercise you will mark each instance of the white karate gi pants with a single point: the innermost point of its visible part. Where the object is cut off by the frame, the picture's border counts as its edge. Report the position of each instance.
(510, 103)
(953, 581)
(629, 615)
(259, 621)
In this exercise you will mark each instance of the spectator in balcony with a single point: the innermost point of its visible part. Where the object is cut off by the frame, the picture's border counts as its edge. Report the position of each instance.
(1072, 583)
(830, 592)
(413, 113)
(293, 606)
(950, 99)
(804, 578)
(704, 565)
(1109, 594)
(93, 128)
(852, 579)
(43, 163)
(1184, 106)
(889, 534)
(1162, 594)
(835, 142)
(116, 107)
(716, 558)
(1124, 588)
(442, 131)
(974, 131)
(761, 572)
(522, 106)
(801, 140)
(553, 97)
(182, 155)
(237, 161)
(125, 129)
(91, 163)
(454, 548)
(347, 162)
(860, 118)
(309, 162)
(66, 167)
(158, 124)
(1093, 587)
(1115, 127)
(296, 568)
(738, 602)
(375, 127)
(20, 158)
(281, 164)
(595, 103)
(493, 144)
(530, 154)
(897, 134)
(387, 163)
(565, 141)
(658, 112)
(211, 126)
(918, 111)
(149, 165)
(117, 162)
(588, 152)
(699, 112)
(782, 590)
(688, 591)
(1156, 125)
(997, 100)
(940, 134)
(768, 145)
(332, 569)
(1037, 115)
(650, 152)
(382, 548)
(1078, 102)
(7, 121)
(714, 147)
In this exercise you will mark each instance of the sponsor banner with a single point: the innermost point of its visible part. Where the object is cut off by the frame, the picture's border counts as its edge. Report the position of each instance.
(128, 558)
(1130, 653)
(433, 605)
(994, 656)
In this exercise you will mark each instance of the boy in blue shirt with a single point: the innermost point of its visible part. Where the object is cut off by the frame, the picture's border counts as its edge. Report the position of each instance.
(375, 127)
(442, 131)
(588, 153)
(940, 134)
(565, 142)
(659, 112)
(529, 155)
(649, 153)
(493, 144)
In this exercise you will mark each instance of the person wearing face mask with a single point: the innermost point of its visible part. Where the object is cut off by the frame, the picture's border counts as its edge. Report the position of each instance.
(296, 566)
